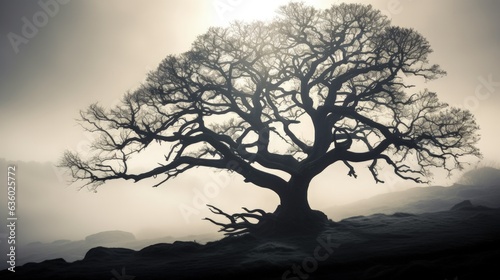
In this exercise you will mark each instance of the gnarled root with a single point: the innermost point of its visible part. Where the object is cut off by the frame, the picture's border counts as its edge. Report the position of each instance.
(267, 224)
(239, 222)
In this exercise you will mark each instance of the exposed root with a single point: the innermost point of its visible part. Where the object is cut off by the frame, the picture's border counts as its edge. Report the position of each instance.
(268, 224)
(239, 222)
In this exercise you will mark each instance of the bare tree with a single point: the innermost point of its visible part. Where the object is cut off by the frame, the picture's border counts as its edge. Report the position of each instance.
(243, 96)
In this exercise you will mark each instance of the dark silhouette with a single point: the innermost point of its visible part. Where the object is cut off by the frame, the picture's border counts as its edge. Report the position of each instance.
(243, 98)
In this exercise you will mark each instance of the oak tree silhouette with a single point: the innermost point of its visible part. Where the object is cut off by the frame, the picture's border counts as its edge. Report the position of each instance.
(241, 98)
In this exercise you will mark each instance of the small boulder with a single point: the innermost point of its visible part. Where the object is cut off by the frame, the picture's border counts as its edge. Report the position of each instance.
(101, 254)
(168, 250)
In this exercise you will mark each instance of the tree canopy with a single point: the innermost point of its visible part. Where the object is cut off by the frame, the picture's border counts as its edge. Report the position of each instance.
(278, 102)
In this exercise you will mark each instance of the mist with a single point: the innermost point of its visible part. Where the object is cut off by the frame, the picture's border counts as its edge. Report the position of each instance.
(96, 51)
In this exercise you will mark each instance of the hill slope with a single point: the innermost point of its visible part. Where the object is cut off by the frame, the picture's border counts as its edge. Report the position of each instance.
(481, 186)
(463, 243)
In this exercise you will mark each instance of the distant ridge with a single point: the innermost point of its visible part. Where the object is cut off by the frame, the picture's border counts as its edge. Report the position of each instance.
(481, 186)
(110, 237)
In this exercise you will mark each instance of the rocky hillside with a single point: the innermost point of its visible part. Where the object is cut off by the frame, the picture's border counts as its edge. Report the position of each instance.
(463, 243)
(481, 186)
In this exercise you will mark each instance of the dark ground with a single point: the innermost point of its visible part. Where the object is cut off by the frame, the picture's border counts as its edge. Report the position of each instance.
(459, 244)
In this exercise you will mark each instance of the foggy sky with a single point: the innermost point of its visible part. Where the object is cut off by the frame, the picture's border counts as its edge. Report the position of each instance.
(95, 51)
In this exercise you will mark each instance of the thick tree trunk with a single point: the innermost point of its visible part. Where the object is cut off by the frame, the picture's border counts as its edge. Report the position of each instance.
(293, 216)
(294, 212)
(293, 201)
